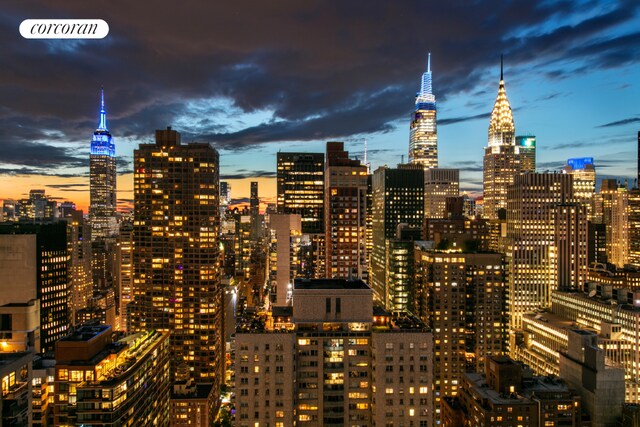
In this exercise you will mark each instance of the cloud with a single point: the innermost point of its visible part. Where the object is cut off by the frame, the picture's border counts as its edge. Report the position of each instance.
(452, 120)
(620, 122)
(243, 75)
(248, 174)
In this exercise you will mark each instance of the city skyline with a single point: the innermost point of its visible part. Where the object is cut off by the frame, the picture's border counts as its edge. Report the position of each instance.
(293, 87)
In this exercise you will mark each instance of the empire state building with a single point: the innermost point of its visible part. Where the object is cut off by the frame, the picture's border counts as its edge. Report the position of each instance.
(423, 137)
(102, 180)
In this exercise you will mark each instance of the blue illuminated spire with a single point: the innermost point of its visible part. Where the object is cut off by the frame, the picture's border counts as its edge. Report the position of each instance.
(103, 113)
(425, 98)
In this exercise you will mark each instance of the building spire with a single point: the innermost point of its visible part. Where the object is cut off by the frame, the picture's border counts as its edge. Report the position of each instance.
(102, 125)
(501, 126)
(425, 96)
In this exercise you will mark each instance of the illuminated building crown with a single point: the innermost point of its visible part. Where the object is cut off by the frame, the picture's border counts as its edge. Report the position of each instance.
(102, 142)
(501, 117)
(425, 100)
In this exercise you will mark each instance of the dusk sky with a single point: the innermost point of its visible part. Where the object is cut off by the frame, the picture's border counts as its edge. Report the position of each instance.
(255, 77)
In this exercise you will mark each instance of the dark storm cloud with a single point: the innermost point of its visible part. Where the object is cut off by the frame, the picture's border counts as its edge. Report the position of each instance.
(249, 174)
(620, 122)
(452, 120)
(72, 186)
(324, 69)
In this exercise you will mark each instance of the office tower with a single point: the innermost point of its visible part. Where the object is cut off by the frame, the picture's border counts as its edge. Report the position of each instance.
(336, 360)
(439, 184)
(16, 400)
(300, 191)
(501, 156)
(423, 134)
(125, 276)
(634, 226)
(399, 264)
(102, 180)
(36, 257)
(611, 207)
(301, 188)
(613, 313)
(597, 242)
(465, 299)
(584, 181)
(285, 232)
(176, 252)
(547, 236)
(398, 198)
(507, 394)
(527, 146)
(345, 207)
(102, 382)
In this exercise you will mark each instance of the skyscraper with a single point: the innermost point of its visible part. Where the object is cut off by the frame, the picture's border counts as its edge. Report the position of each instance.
(439, 184)
(501, 156)
(398, 198)
(176, 252)
(423, 137)
(527, 146)
(36, 258)
(612, 208)
(301, 188)
(584, 181)
(345, 207)
(547, 235)
(102, 180)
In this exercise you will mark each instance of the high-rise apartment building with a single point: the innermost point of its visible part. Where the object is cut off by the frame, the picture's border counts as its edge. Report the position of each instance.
(501, 156)
(176, 252)
(16, 400)
(102, 180)
(36, 257)
(345, 207)
(102, 382)
(333, 360)
(584, 181)
(285, 234)
(547, 235)
(398, 198)
(125, 270)
(465, 306)
(439, 184)
(527, 146)
(423, 134)
(80, 274)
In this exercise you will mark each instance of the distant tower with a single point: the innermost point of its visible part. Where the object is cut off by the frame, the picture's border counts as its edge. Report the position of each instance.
(527, 146)
(102, 180)
(501, 156)
(423, 138)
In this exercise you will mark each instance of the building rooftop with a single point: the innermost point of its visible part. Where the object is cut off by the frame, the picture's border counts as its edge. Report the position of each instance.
(531, 386)
(86, 333)
(9, 358)
(320, 284)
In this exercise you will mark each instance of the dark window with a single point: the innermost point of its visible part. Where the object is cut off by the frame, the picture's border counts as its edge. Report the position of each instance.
(328, 305)
(338, 304)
